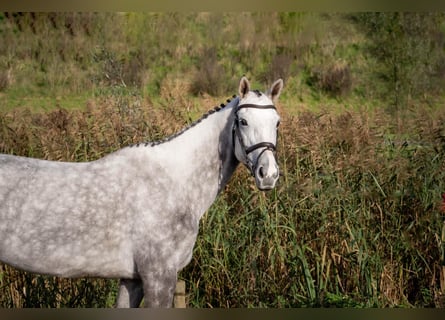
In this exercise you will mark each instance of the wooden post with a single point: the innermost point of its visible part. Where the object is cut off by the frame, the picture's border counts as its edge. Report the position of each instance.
(179, 299)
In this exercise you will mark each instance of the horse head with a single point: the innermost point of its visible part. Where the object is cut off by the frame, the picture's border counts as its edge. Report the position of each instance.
(255, 132)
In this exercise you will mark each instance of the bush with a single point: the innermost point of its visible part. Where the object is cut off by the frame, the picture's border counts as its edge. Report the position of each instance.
(334, 79)
(5, 79)
(210, 76)
(279, 68)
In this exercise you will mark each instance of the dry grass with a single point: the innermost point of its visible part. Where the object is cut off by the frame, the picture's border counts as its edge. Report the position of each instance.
(355, 221)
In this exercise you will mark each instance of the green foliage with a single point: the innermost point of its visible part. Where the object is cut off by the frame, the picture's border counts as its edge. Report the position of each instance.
(401, 58)
(410, 49)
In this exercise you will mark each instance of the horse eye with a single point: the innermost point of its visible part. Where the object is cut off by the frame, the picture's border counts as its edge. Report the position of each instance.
(243, 122)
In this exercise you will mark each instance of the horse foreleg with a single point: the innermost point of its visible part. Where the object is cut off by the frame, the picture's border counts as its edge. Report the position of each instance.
(130, 293)
(159, 288)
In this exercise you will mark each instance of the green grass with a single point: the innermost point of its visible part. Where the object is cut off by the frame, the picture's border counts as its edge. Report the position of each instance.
(13, 99)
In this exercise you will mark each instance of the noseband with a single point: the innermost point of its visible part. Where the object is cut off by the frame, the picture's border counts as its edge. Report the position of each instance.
(246, 150)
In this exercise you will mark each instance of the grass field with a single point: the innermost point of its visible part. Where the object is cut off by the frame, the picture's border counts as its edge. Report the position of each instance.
(357, 219)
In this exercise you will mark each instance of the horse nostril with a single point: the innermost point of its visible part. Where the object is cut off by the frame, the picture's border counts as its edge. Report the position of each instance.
(260, 172)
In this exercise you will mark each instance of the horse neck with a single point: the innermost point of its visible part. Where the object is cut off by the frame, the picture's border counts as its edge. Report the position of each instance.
(210, 147)
(201, 159)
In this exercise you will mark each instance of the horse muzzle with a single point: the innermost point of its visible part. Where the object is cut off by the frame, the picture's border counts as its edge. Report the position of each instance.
(266, 172)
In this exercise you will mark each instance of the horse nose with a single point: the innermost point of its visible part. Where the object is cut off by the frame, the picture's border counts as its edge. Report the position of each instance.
(262, 174)
(266, 177)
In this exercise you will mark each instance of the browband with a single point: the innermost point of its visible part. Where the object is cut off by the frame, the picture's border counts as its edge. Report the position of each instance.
(256, 106)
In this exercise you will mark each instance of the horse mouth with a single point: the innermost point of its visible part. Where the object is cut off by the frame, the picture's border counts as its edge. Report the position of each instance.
(265, 184)
(265, 188)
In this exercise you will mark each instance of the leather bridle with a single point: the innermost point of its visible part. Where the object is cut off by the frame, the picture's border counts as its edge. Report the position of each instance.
(248, 149)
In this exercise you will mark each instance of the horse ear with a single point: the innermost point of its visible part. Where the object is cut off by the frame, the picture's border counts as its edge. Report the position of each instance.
(275, 90)
(244, 87)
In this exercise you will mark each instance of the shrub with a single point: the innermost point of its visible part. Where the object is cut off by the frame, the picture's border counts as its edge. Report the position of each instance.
(280, 67)
(334, 78)
(210, 76)
(5, 79)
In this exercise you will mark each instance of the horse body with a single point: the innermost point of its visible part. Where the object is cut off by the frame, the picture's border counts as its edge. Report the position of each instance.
(67, 219)
(133, 214)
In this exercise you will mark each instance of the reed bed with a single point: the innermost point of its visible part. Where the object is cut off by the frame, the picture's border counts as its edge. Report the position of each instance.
(357, 219)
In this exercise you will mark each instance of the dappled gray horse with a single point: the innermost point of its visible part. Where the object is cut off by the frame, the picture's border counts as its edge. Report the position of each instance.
(134, 214)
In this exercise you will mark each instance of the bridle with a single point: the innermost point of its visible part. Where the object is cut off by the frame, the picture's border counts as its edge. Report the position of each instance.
(246, 150)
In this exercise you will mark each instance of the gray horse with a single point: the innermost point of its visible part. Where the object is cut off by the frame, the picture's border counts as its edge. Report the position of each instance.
(134, 214)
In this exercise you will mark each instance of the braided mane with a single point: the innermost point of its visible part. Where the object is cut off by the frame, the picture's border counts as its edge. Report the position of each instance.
(193, 124)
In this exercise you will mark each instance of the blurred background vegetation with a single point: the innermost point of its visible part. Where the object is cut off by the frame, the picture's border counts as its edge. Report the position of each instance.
(397, 57)
(357, 219)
